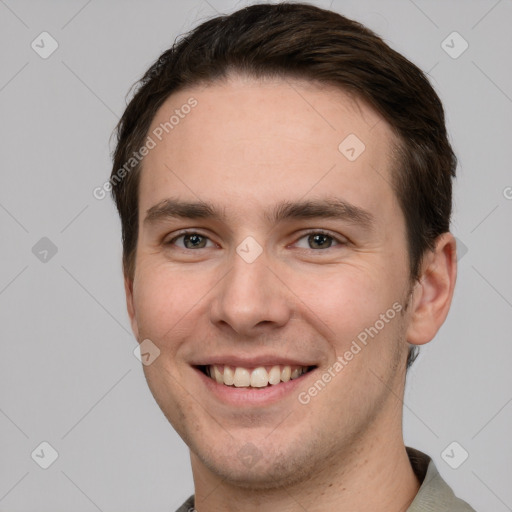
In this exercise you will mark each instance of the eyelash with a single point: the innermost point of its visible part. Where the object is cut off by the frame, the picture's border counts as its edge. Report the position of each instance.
(312, 232)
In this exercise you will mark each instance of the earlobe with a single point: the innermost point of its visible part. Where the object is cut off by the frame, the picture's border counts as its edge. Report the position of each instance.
(130, 306)
(433, 293)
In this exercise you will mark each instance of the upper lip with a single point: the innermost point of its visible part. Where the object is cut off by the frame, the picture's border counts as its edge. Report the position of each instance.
(252, 362)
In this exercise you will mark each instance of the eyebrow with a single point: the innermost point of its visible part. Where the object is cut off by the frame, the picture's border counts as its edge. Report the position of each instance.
(329, 208)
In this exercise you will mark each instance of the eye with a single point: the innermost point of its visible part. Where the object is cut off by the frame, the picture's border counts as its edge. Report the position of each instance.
(314, 240)
(320, 240)
(191, 240)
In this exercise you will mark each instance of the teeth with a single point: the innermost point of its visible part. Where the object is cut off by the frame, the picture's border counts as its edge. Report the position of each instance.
(242, 378)
(274, 375)
(255, 378)
(259, 378)
(295, 373)
(218, 374)
(228, 376)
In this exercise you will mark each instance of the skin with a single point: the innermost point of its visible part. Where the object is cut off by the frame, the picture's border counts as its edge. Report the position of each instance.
(247, 145)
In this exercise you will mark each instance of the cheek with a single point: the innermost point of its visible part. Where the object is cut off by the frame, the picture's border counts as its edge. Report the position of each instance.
(167, 299)
(347, 297)
(159, 301)
(339, 300)
(357, 310)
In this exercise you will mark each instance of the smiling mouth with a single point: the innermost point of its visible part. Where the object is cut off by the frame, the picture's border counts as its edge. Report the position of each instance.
(260, 377)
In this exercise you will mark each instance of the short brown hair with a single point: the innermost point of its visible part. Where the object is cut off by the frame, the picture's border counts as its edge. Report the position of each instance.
(299, 40)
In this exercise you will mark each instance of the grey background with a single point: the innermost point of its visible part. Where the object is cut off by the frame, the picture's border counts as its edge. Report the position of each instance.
(68, 373)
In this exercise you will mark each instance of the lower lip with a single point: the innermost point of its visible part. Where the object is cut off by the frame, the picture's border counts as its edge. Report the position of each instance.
(244, 397)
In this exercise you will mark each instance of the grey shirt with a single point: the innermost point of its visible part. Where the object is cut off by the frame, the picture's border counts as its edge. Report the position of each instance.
(434, 495)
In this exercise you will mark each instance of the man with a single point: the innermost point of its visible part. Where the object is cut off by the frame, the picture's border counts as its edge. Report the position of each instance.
(283, 179)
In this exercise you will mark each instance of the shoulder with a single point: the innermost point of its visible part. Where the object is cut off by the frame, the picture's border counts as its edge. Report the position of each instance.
(188, 506)
(434, 495)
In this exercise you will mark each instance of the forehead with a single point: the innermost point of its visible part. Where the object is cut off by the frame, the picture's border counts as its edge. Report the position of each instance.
(251, 142)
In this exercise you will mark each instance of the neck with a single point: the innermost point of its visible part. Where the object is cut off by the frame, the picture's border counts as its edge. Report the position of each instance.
(374, 475)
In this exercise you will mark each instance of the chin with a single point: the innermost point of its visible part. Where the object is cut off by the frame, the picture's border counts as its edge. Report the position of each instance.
(267, 472)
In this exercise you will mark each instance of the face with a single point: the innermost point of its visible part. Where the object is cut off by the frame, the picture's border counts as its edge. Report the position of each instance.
(293, 260)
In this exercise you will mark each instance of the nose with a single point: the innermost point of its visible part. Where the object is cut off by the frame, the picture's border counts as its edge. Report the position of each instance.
(251, 298)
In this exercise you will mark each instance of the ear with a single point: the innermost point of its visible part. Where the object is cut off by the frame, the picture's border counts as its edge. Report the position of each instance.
(432, 294)
(128, 288)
